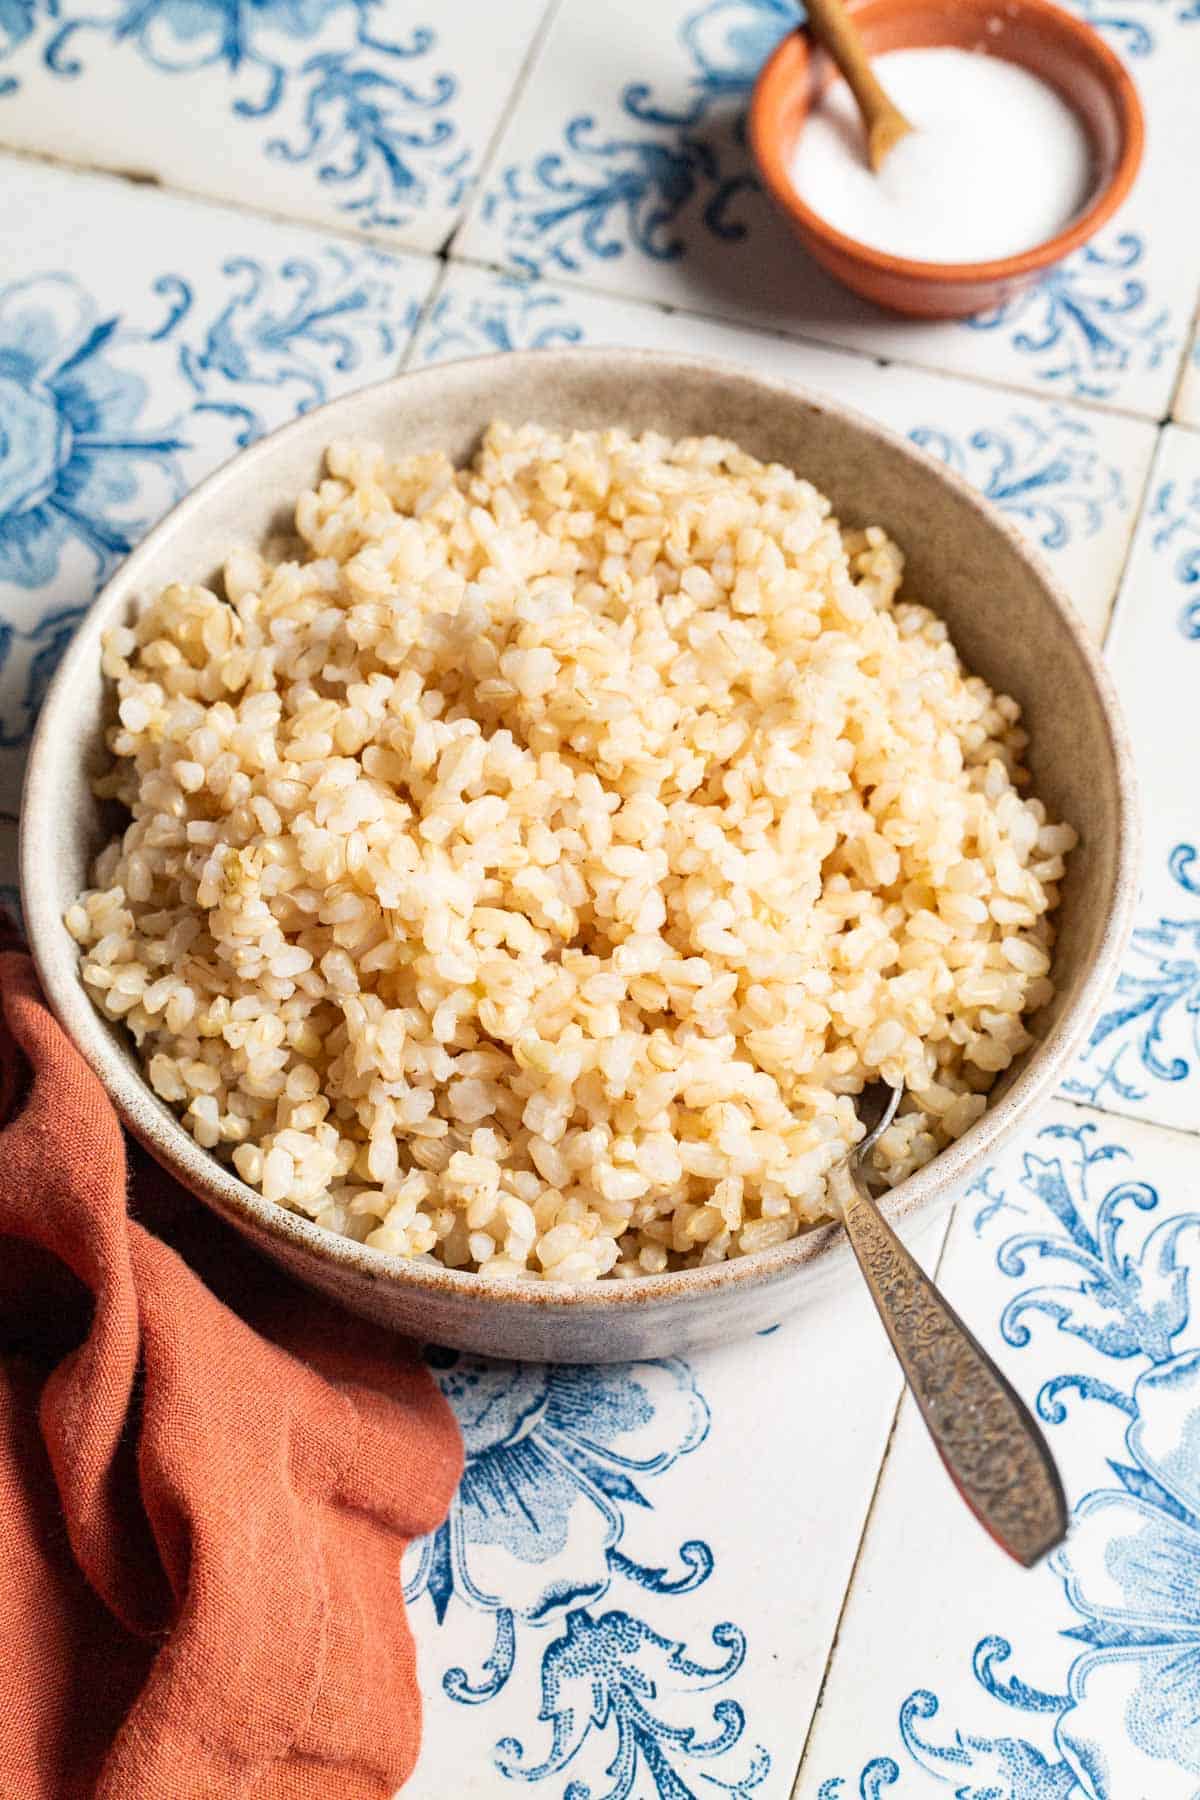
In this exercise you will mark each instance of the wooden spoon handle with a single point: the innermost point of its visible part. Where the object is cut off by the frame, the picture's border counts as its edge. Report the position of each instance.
(885, 123)
(988, 1439)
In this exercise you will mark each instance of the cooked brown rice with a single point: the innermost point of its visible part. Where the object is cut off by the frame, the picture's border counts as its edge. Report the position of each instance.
(529, 867)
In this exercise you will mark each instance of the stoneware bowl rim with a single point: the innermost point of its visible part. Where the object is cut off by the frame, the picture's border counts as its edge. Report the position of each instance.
(1109, 193)
(55, 953)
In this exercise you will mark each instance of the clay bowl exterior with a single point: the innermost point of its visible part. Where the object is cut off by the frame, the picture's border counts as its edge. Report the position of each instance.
(1054, 45)
(1007, 617)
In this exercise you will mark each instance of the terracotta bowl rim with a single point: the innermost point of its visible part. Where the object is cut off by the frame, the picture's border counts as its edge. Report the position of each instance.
(783, 69)
(55, 955)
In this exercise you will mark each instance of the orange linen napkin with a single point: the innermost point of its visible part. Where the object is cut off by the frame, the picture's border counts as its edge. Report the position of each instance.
(207, 1478)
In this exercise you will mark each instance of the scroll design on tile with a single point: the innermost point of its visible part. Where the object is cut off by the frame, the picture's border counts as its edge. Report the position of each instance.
(1107, 1262)
(1089, 321)
(1175, 515)
(375, 122)
(90, 457)
(602, 191)
(540, 1538)
(979, 1424)
(1152, 1029)
(1048, 475)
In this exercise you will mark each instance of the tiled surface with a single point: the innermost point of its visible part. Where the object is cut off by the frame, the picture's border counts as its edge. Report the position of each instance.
(143, 340)
(343, 112)
(720, 1593)
(653, 1574)
(1144, 1057)
(1187, 401)
(1080, 1269)
(633, 177)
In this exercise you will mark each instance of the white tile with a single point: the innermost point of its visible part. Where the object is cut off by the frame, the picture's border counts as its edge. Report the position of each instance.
(145, 340)
(1067, 476)
(341, 112)
(955, 1671)
(1187, 400)
(1144, 1056)
(645, 1552)
(624, 166)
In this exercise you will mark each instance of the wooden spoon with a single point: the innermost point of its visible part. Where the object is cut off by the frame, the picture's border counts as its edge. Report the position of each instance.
(883, 121)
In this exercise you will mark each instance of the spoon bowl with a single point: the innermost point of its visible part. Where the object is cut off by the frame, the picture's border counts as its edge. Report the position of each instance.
(993, 1448)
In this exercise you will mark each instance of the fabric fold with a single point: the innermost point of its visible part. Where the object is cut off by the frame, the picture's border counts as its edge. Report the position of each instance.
(207, 1478)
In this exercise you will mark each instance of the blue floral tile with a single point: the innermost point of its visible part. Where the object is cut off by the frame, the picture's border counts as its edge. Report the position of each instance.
(609, 1609)
(1144, 1054)
(145, 341)
(1078, 1262)
(353, 113)
(624, 166)
(1069, 477)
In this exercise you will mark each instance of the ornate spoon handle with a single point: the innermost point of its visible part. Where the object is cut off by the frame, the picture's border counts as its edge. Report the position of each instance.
(984, 1433)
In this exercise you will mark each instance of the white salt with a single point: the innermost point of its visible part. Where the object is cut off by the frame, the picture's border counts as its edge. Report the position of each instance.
(997, 162)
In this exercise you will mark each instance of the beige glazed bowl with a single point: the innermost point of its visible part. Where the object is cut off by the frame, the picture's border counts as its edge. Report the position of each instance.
(1007, 618)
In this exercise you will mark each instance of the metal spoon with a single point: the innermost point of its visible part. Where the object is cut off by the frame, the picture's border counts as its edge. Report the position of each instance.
(988, 1439)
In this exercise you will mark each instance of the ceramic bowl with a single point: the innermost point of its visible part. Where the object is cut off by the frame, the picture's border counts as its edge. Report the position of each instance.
(1051, 44)
(1007, 617)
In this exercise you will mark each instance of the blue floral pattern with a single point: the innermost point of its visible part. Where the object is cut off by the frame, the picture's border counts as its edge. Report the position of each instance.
(1087, 322)
(74, 455)
(605, 191)
(1132, 25)
(512, 317)
(558, 1461)
(375, 126)
(1175, 519)
(1048, 476)
(89, 458)
(1152, 1029)
(1099, 1263)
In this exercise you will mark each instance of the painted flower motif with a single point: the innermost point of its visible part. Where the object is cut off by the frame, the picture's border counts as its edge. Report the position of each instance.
(728, 42)
(181, 35)
(1176, 515)
(615, 1671)
(607, 192)
(551, 1458)
(556, 1462)
(381, 142)
(1152, 1028)
(1118, 1278)
(1046, 475)
(1121, 1297)
(513, 316)
(1131, 28)
(1087, 322)
(1132, 1569)
(74, 461)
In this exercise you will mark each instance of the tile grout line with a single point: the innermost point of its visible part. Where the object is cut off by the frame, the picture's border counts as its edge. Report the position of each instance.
(491, 149)
(1188, 1134)
(448, 256)
(1080, 1106)
(868, 1519)
(1191, 347)
(431, 299)
(151, 184)
(779, 334)
(1139, 513)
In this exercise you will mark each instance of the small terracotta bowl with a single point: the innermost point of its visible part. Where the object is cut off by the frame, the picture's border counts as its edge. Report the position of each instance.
(1006, 616)
(1051, 44)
